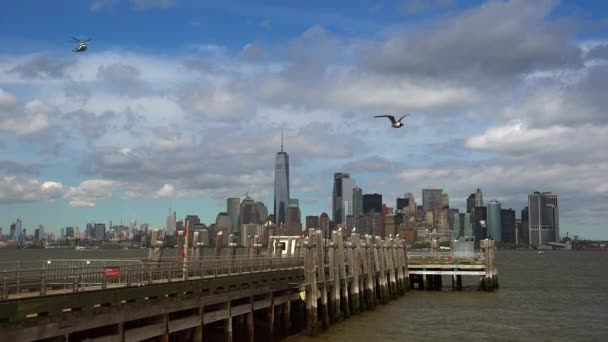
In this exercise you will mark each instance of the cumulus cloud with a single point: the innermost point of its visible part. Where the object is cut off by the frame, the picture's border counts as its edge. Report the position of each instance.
(16, 168)
(147, 4)
(371, 164)
(7, 100)
(123, 79)
(499, 39)
(252, 53)
(28, 119)
(89, 191)
(412, 7)
(98, 5)
(138, 5)
(18, 189)
(167, 191)
(498, 90)
(599, 51)
(42, 67)
(220, 104)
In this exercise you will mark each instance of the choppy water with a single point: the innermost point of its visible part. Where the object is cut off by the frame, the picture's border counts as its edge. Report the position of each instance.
(556, 296)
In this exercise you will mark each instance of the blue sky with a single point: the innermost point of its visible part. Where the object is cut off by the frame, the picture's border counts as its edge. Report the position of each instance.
(180, 104)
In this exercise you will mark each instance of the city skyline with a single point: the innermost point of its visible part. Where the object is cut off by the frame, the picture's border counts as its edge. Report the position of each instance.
(189, 113)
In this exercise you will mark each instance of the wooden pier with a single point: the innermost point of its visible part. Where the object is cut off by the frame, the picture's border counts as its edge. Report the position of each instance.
(299, 284)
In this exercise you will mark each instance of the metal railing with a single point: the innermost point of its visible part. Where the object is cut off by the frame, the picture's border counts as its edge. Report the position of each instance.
(53, 277)
(446, 257)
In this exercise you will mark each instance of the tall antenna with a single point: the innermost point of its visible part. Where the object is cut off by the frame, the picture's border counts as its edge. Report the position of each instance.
(281, 140)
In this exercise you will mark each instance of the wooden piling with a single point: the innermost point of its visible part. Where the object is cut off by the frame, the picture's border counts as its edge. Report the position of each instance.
(353, 265)
(334, 291)
(286, 318)
(228, 329)
(391, 267)
(271, 319)
(218, 244)
(341, 260)
(311, 289)
(320, 251)
(250, 326)
(370, 288)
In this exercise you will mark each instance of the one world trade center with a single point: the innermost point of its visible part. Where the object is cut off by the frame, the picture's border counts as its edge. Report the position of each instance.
(281, 185)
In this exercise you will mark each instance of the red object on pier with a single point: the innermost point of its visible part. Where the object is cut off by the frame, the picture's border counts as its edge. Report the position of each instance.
(111, 272)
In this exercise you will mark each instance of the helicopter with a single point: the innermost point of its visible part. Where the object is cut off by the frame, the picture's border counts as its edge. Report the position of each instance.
(82, 44)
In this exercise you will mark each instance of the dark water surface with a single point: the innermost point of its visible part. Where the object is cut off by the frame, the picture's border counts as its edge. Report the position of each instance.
(556, 296)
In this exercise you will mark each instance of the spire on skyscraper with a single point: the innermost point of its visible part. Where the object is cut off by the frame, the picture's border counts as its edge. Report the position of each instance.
(281, 140)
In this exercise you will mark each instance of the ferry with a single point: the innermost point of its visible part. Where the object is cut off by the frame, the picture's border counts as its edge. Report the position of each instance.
(85, 248)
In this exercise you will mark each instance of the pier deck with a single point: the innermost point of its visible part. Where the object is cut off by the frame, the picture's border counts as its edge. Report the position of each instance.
(316, 283)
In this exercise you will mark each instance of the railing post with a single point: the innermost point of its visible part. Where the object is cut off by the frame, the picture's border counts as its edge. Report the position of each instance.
(43, 283)
(129, 274)
(4, 286)
(18, 277)
(104, 279)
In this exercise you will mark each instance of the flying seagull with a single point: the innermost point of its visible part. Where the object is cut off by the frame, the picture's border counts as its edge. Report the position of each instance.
(394, 123)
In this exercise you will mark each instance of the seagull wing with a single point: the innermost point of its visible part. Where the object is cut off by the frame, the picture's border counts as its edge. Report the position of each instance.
(390, 117)
(403, 117)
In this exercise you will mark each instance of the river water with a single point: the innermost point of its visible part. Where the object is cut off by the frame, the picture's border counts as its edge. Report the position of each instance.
(556, 296)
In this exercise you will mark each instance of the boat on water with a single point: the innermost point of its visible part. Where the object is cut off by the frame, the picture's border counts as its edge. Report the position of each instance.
(541, 252)
(85, 248)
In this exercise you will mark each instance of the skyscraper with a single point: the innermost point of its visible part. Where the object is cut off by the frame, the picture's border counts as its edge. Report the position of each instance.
(312, 222)
(480, 216)
(507, 219)
(470, 203)
(41, 232)
(402, 204)
(170, 225)
(338, 198)
(494, 221)
(372, 203)
(525, 226)
(478, 198)
(249, 213)
(223, 223)
(18, 230)
(411, 206)
(543, 211)
(233, 208)
(324, 224)
(431, 199)
(262, 212)
(281, 185)
(357, 201)
(293, 221)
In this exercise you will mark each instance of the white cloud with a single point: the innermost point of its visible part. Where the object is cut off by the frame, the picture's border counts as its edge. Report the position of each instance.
(30, 119)
(18, 189)
(170, 143)
(99, 5)
(167, 191)
(7, 100)
(90, 191)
